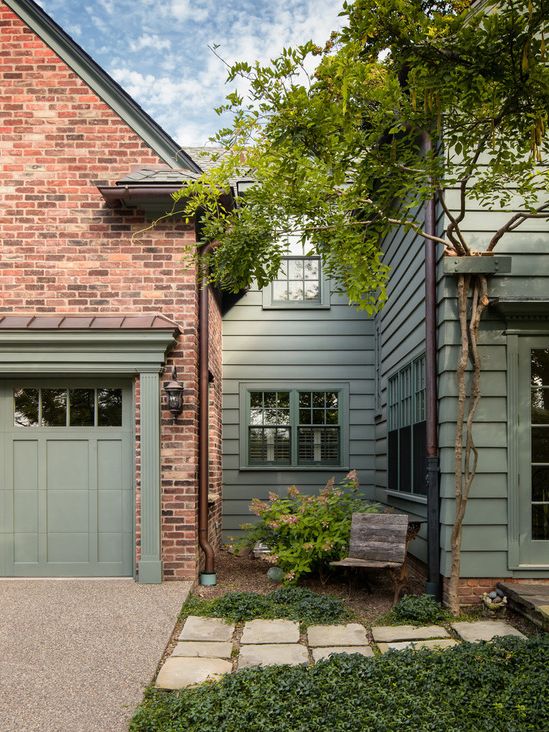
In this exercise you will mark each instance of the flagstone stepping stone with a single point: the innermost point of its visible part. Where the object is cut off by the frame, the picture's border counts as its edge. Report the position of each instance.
(433, 644)
(352, 634)
(270, 631)
(320, 653)
(203, 649)
(266, 654)
(485, 630)
(206, 629)
(177, 673)
(390, 633)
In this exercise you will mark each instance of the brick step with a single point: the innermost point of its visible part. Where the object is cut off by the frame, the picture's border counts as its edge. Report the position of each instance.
(530, 600)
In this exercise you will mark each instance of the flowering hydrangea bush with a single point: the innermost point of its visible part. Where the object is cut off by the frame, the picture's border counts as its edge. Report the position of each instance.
(305, 533)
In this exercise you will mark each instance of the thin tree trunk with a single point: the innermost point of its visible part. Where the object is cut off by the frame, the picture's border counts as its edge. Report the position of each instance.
(453, 589)
(465, 464)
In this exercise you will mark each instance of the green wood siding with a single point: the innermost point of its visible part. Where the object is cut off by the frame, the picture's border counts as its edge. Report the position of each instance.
(486, 536)
(295, 347)
(401, 339)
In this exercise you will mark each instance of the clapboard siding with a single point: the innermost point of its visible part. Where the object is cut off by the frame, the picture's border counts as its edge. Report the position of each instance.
(485, 534)
(334, 345)
(401, 326)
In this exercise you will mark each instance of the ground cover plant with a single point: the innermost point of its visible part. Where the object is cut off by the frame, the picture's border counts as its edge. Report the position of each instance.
(292, 603)
(419, 610)
(306, 532)
(470, 688)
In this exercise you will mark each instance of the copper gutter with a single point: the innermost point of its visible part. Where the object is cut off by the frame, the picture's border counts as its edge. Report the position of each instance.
(432, 452)
(208, 576)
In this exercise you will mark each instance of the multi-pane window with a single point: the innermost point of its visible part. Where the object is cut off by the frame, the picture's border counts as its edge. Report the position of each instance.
(299, 282)
(269, 430)
(406, 429)
(60, 407)
(294, 427)
(540, 444)
(318, 431)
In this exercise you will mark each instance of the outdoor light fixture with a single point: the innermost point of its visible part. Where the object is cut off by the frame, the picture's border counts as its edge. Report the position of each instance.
(174, 390)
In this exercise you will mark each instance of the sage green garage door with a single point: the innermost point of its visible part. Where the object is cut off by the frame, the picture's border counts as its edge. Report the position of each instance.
(67, 500)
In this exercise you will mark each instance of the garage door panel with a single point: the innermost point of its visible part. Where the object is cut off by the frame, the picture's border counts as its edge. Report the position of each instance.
(67, 464)
(25, 548)
(111, 547)
(109, 513)
(69, 548)
(68, 511)
(109, 465)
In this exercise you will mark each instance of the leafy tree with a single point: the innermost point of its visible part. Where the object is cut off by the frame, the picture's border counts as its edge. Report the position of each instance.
(334, 139)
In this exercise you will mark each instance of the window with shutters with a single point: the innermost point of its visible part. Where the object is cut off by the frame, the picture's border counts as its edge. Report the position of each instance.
(303, 427)
(406, 429)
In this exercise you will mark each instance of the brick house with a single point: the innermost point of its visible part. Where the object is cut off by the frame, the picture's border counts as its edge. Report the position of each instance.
(285, 385)
(94, 313)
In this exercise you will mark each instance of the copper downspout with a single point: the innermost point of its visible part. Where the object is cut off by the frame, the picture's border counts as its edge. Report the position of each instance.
(208, 577)
(432, 456)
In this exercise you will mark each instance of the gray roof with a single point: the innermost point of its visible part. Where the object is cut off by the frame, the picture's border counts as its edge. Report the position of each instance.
(209, 157)
(156, 174)
(205, 157)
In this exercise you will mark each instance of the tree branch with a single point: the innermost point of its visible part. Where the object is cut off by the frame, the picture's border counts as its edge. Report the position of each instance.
(515, 221)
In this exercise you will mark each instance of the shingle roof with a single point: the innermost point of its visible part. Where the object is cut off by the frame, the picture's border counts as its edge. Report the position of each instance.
(155, 174)
(209, 157)
(205, 157)
(91, 321)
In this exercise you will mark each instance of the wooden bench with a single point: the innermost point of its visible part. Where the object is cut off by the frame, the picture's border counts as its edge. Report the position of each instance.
(380, 541)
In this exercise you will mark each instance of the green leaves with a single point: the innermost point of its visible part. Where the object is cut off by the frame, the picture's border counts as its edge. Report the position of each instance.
(305, 532)
(419, 610)
(292, 603)
(332, 137)
(473, 687)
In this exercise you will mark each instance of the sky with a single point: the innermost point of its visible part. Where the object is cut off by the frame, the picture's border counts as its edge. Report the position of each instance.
(158, 49)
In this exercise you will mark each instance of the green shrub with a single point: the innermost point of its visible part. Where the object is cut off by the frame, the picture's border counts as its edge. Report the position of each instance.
(305, 533)
(293, 603)
(420, 610)
(470, 688)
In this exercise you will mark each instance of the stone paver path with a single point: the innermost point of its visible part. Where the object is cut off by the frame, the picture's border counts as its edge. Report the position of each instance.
(210, 647)
(352, 634)
(390, 633)
(269, 654)
(270, 631)
(485, 630)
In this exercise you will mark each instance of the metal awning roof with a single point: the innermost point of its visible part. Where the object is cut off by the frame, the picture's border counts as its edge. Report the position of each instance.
(87, 321)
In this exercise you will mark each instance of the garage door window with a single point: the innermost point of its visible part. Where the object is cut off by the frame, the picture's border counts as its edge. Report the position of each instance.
(58, 407)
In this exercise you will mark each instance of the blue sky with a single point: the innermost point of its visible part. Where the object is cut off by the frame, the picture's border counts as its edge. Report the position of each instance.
(158, 49)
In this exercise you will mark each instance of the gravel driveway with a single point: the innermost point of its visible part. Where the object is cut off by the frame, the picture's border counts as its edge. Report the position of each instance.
(75, 655)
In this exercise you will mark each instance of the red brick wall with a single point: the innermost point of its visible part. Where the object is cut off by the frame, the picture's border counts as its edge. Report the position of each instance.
(64, 251)
(471, 590)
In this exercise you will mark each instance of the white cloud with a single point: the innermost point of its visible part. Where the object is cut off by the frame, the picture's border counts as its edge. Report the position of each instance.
(73, 29)
(184, 10)
(150, 41)
(158, 51)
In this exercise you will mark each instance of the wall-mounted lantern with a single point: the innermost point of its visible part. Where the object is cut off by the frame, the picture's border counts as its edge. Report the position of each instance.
(174, 390)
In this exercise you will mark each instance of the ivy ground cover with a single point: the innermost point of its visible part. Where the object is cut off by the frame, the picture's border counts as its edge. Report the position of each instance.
(471, 688)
